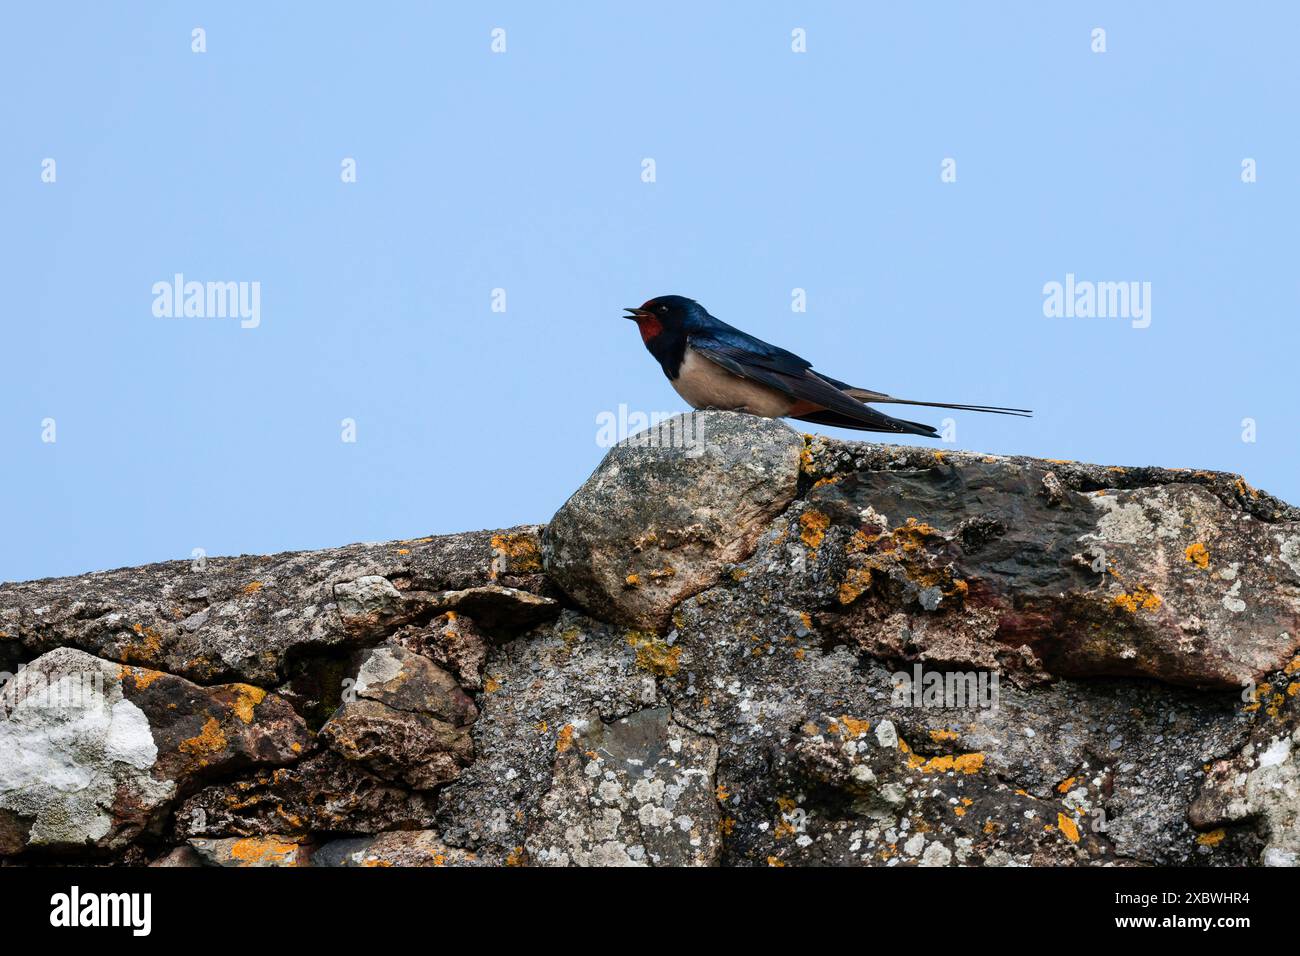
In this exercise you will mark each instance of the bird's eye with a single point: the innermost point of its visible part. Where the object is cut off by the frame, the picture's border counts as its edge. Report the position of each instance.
(663, 308)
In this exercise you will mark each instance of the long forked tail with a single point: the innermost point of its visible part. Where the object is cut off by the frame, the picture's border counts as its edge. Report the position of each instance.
(992, 409)
(866, 395)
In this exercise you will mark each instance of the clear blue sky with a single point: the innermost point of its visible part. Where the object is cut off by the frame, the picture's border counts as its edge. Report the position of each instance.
(775, 170)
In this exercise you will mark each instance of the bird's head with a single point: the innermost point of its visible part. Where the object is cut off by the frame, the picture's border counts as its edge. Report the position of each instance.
(665, 313)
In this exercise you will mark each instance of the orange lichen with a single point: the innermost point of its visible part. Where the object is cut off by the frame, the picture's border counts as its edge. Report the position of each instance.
(632, 581)
(1140, 599)
(252, 587)
(940, 764)
(491, 685)
(1260, 694)
(939, 736)
(1065, 785)
(968, 763)
(805, 456)
(403, 551)
(775, 861)
(1068, 827)
(252, 850)
(855, 582)
(147, 650)
(518, 552)
(856, 728)
(1197, 554)
(911, 536)
(653, 655)
(962, 763)
(1275, 703)
(290, 818)
(860, 541)
(814, 524)
(1213, 838)
(209, 740)
(141, 677)
(247, 697)
(564, 740)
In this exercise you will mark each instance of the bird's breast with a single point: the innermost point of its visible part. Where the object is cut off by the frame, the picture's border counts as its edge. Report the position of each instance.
(705, 384)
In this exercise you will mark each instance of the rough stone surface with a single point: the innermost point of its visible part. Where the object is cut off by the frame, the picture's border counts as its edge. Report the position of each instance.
(826, 653)
(397, 848)
(961, 559)
(92, 752)
(1260, 784)
(402, 745)
(666, 510)
(635, 792)
(323, 794)
(222, 619)
(249, 851)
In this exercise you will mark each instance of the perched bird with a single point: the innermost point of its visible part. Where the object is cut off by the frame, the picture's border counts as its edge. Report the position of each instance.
(714, 365)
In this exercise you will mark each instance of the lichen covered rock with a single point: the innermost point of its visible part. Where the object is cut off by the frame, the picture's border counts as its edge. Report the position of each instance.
(241, 619)
(92, 753)
(733, 646)
(635, 792)
(666, 510)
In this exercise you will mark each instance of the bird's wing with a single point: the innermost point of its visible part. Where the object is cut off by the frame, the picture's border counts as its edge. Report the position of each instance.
(720, 334)
(785, 372)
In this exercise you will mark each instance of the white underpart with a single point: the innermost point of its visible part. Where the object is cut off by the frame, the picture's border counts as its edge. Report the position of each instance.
(705, 384)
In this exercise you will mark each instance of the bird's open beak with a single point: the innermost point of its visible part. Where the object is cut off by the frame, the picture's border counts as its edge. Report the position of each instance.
(636, 313)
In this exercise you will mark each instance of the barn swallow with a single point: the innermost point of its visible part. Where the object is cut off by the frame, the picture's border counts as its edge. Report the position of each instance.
(714, 365)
